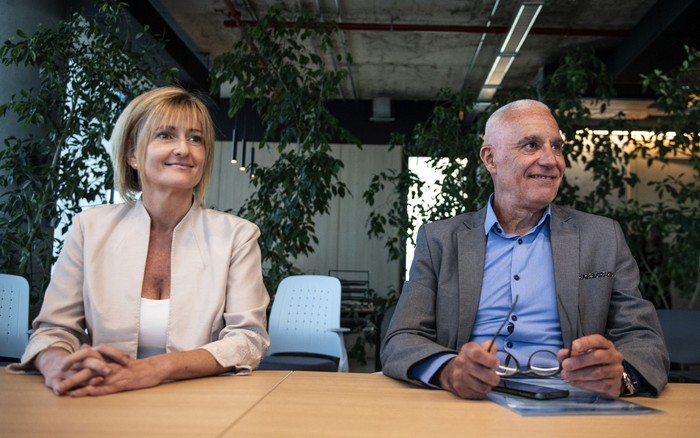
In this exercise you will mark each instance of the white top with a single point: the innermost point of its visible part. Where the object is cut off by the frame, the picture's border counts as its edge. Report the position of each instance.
(153, 329)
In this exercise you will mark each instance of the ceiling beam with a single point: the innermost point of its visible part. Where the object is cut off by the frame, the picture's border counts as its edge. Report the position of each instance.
(649, 29)
(190, 63)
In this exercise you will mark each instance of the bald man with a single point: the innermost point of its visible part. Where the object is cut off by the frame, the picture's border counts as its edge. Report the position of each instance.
(492, 292)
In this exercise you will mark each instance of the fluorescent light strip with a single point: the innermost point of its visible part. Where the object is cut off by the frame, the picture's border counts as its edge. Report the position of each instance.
(524, 20)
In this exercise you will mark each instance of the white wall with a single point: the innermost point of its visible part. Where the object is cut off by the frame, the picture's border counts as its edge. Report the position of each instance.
(343, 241)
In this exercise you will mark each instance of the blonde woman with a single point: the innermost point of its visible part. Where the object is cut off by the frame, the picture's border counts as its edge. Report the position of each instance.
(158, 288)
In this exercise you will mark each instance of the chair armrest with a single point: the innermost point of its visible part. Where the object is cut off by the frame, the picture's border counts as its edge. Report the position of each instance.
(338, 330)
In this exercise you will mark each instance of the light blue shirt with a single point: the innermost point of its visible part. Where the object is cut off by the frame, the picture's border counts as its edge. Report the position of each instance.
(514, 265)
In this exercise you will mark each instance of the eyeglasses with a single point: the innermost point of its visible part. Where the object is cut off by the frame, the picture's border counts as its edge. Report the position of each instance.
(541, 362)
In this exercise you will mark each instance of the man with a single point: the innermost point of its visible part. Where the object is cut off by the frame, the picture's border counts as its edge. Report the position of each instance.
(574, 277)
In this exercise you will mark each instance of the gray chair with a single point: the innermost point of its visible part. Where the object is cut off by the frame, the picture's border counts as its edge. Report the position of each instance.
(682, 334)
(14, 316)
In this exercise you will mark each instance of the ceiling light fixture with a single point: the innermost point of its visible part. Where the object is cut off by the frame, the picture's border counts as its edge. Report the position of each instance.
(524, 19)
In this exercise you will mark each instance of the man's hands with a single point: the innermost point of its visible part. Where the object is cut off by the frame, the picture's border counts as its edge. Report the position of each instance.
(471, 373)
(95, 371)
(595, 365)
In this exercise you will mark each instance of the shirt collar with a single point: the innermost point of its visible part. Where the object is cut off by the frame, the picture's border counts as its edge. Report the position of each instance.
(492, 221)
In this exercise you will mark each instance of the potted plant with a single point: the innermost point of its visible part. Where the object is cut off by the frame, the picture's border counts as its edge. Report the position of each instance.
(89, 65)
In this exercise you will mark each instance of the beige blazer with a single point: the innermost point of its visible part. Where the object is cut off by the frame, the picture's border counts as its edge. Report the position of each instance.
(218, 300)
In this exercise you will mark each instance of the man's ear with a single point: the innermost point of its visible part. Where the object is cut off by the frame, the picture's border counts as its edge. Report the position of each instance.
(486, 155)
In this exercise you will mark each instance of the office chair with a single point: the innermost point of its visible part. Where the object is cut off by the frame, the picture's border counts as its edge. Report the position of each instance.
(14, 315)
(304, 326)
(682, 334)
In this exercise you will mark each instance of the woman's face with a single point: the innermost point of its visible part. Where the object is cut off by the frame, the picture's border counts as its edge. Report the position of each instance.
(174, 158)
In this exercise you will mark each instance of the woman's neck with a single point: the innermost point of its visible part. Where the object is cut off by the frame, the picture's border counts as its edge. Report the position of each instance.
(166, 210)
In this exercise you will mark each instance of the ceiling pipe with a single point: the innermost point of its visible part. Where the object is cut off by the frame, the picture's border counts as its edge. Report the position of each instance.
(394, 27)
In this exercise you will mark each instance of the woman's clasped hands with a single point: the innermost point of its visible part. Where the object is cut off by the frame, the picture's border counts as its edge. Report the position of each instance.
(98, 370)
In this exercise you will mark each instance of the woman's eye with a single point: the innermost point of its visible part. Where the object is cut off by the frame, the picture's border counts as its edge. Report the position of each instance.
(163, 135)
(194, 139)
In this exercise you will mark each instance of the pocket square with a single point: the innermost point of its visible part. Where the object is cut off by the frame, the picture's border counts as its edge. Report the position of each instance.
(591, 275)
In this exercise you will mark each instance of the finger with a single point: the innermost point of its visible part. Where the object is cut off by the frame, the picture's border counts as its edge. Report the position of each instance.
(80, 378)
(594, 372)
(97, 365)
(590, 342)
(480, 354)
(95, 381)
(113, 353)
(562, 354)
(92, 391)
(468, 380)
(74, 359)
(493, 347)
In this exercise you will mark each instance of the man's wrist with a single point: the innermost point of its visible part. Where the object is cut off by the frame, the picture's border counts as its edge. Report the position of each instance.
(437, 377)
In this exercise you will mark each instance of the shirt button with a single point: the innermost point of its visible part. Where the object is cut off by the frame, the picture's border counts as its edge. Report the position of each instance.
(514, 317)
(516, 277)
(509, 344)
(520, 241)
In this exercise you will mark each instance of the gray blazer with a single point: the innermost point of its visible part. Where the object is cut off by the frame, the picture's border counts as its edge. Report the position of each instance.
(596, 279)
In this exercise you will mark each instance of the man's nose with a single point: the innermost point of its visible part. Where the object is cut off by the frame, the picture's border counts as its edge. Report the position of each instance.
(548, 156)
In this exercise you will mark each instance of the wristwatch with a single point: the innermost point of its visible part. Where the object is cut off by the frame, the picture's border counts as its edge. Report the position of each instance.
(629, 386)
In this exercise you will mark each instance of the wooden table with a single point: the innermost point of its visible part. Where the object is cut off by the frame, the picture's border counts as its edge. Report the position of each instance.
(308, 404)
(193, 408)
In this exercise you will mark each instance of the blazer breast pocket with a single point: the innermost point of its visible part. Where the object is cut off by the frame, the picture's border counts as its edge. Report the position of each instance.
(594, 275)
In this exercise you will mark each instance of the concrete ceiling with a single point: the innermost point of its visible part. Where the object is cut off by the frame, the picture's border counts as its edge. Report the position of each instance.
(409, 50)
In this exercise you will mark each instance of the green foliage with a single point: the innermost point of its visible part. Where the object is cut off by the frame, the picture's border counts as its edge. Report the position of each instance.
(664, 237)
(673, 226)
(88, 66)
(280, 64)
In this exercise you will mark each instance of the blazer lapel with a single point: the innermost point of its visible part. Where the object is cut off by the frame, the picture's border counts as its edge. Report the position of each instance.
(471, 254)
(565, 253)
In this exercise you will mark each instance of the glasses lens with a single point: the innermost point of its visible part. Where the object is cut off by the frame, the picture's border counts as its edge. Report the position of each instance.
(507, 366)
(544, 363)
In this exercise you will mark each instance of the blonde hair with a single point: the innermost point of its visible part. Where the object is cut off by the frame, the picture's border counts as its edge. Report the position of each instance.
(137, 124)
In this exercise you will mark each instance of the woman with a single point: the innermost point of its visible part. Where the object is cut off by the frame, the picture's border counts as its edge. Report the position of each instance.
(159, 288)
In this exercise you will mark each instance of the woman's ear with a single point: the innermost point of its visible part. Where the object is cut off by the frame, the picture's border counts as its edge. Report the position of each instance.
(131, 159)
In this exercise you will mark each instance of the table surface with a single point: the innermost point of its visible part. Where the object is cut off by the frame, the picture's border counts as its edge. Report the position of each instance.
(313, 404)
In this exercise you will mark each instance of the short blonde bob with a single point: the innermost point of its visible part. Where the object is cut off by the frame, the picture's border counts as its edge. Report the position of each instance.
(137, 124)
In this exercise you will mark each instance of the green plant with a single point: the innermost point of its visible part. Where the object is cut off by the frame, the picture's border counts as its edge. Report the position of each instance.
(275, 65)
(663, 237)
(673, 225)
(88, 66)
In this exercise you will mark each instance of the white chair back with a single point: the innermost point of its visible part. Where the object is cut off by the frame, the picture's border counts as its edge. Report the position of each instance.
(305, 318)
(14, 315)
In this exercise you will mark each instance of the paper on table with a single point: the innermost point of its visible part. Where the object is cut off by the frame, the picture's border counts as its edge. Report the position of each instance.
(579, 402)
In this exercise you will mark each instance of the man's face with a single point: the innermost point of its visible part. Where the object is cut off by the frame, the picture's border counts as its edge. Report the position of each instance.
(524, 157)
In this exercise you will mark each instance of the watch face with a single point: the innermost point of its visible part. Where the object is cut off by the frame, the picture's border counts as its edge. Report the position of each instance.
(629, 385)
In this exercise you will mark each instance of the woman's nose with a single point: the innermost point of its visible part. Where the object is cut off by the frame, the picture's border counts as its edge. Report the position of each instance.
(181, 147)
